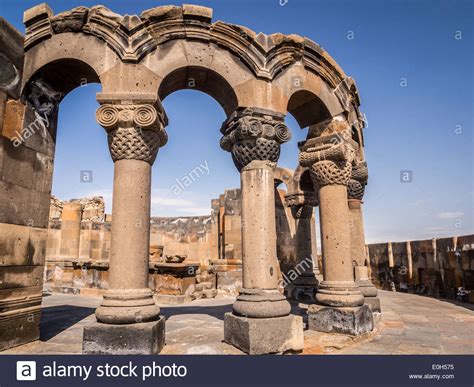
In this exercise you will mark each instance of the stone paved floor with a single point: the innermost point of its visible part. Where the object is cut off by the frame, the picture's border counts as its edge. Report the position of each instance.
(410, 324)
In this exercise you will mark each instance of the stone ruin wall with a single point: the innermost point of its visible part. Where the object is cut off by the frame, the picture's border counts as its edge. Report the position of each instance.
(210, 243)
(437, 268)
(25, 173)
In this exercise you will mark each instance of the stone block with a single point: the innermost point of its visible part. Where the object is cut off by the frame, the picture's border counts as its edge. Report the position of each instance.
(13, 120)
(11, 59)
(37, 12)
(39, 134)
(22, 245)
(12, 277)
(229, 281)
(197, 12)
(130, 339)
(25, 293)
(373, 303)
(19, 328)
(3, 103)
(170, 299)
(351, 320)
(43, 177)
(209, 293)
(257, 336)
(19, 165)
(23, 206)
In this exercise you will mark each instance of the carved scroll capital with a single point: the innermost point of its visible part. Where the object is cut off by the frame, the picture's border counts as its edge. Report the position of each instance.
(358, 181)
(135, 131)
(303, 198)
(254, 134)
(329, 159)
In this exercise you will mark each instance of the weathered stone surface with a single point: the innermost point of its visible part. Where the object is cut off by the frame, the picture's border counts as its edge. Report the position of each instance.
(373, 303)
(261, 336)
(350, 320)
(13, 120)
(22, 245)
(11, 59)
(69, 21)
(20, 276)
(232, 64)
(18, 329)
(171, 299)
(23, 206)
(36, 12)
(135, 339)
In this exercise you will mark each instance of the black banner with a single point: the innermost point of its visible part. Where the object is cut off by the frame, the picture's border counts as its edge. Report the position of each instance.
(229, 370)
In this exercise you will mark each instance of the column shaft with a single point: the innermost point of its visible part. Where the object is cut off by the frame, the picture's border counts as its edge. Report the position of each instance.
(259, 297)
(338, 287)
(356, 223)
(130, 239)
(259, 268)
(70, 230)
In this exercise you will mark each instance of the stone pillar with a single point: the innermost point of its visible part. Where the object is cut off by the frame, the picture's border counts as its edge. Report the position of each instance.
(70, 230)
(340, 304)
(355, 193)
(70, 240)
(391, 261)
(410, 262)
(305, 284)
(128, 310)
(261, 321)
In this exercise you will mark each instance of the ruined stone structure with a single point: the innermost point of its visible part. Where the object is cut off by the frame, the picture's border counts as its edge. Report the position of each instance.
(442, 268)
(182, 249)
(139, 60)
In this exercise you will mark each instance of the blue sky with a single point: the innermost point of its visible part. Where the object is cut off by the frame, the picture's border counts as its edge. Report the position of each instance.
(415, 78)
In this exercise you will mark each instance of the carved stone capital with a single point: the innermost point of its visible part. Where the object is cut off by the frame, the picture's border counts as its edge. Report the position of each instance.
(303, 198)
(358, 181)
(302, 212)
(254, 134)
(135, 131)
(329, 159)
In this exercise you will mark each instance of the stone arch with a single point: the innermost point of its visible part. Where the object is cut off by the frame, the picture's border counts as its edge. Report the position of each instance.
(140, 58)
(202, 79)
(307, 108)
(44, 89)
(167, 39)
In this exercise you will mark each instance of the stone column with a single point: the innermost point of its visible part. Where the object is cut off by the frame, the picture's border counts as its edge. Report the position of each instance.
(128, 310)
(305, 284)
(70, 230)
(355, 193)
(410, 262)
(261, 321)
(70, 240)
(340, 304)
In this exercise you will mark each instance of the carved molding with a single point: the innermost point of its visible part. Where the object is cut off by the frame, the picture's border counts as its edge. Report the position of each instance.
(303, 198)
(329, 158)
(133, 37)
(254, 134)
(358, 181)
(135, 131)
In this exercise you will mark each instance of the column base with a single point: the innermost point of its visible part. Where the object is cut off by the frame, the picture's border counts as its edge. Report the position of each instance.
(303, 288)
(259, 303)
(340, 294)
(127, 306)
(373, 303)
(348, 320)
(301, 292)
(132, 339)
(258, 336)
